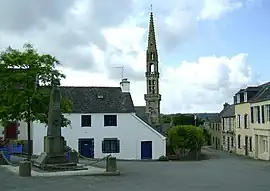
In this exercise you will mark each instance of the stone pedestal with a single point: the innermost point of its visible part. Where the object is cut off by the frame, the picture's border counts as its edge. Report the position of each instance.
(54, 147)
(25, 168)
(111, 164)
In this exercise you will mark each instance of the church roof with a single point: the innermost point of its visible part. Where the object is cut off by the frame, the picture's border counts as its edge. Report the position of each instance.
(98, 99)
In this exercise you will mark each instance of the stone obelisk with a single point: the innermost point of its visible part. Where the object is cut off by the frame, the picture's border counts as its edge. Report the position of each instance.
(54, 142)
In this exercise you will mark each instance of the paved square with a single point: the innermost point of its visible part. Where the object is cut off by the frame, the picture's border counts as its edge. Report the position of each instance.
(223, 173)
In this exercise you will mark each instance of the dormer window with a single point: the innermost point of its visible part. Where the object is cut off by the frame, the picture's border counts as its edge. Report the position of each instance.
(100, 96)
(238, 98)
(245, 97)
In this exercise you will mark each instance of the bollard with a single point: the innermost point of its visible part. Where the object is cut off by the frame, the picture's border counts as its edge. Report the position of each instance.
(111, 164)
(25, 168)
(74, 158)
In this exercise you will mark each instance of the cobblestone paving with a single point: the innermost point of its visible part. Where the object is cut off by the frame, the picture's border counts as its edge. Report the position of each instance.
(223, 173)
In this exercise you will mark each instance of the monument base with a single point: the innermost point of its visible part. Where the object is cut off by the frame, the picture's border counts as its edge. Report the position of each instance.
(53, 154)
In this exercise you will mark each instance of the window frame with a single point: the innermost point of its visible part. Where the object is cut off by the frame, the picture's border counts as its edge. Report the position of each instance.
(110, 121)
(110, 145)
(239, 120)
(239, 141)
(263, 113)
(252, 114)
(83, 120)
(268, 113)
(246, 121)
(250, 144)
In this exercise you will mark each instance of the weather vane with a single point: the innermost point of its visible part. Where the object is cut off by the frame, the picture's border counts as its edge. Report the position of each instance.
(151, 7)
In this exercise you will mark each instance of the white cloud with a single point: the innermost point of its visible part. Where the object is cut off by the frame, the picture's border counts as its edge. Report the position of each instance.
(198, 86)
(92, 42)
(214, 9)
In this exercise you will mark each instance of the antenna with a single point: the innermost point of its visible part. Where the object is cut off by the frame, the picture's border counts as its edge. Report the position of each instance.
(122, 71)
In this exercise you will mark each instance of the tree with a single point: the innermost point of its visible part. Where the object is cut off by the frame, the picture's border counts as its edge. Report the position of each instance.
(181, 119)
(185, 138)
(25, 86)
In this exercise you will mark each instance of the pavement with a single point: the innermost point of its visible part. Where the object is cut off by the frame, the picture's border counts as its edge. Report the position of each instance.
(222, 172)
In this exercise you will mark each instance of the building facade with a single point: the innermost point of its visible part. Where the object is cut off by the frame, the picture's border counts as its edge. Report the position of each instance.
(260, 122)
(215, 131)
(251, 107)
(104, 121)
(228, 129)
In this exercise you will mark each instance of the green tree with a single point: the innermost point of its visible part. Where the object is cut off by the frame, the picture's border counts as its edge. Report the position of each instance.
(181, 119)
(185, 138)
(25, 79)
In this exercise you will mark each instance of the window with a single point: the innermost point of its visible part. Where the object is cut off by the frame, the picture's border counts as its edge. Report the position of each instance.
(246, 121)
(245, 97)
(258, 117)
(265, 145)
(232, 142)
(110, 120)
(268, 113)
(239, 121)
(230, 124)
(239, 141)
(223, 124)
(86, 120)
(110, 145)
(252, 114)
(262, 113)
(250, 143)
(223, 140)
(238, 98)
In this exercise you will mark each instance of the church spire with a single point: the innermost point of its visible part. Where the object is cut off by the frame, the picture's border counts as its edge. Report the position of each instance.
(151, 36)
(152, 96)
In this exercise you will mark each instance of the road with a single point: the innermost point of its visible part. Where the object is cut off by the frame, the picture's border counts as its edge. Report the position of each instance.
(222, 172)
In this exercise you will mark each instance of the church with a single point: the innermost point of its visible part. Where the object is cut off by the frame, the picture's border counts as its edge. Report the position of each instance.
(105, 121)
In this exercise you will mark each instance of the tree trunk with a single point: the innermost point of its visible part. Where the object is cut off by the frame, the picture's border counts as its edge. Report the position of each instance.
(29, 154)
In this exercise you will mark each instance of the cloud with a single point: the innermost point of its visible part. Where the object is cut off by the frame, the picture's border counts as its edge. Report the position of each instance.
(94, 38)
(200, 86)
(206, 83)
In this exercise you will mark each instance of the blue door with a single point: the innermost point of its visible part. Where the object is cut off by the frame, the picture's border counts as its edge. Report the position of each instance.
(86, 147)
(146, 150)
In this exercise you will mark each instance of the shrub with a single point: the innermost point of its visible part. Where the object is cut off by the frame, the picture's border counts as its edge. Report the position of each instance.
(163, 158)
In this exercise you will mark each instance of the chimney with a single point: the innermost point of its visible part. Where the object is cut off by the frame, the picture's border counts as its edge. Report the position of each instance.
(125, 85)
(225, 105)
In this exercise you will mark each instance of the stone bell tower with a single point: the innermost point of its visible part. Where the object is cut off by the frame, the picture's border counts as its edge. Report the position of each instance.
(152, 96)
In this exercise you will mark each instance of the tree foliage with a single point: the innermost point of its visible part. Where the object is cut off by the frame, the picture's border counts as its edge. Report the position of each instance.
(25, 85)
(181, 119)
(185, 137)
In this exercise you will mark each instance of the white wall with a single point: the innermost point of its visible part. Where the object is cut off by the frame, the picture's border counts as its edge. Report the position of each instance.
(130, 131)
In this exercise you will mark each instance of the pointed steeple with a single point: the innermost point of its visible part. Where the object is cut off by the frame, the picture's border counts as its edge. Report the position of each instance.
(152, 47)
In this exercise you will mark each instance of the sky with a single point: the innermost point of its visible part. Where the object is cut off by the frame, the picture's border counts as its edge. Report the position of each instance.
(208, 49)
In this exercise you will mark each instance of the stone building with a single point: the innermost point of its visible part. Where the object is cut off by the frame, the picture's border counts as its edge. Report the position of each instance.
(228, 129)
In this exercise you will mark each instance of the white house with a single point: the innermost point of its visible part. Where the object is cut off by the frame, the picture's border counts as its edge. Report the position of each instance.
(104, 121)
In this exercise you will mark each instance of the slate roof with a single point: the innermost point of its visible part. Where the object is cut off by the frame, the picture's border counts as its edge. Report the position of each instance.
(98, 99)
(141, 113)
(229, 112)
(263, 94)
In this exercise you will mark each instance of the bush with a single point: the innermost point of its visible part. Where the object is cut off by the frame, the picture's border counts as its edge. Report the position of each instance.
(185, 139)
(163, 158)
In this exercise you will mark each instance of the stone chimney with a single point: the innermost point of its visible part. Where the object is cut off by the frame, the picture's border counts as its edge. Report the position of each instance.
(125, 85)
(225, 105)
